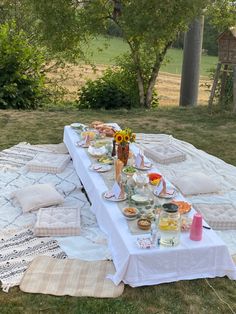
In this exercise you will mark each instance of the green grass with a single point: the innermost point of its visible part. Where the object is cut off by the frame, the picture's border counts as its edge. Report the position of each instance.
(116, 46)
(212, 133)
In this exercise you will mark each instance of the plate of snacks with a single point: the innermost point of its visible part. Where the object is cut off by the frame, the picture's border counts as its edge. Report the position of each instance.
(129, 170)
(106, 160)
(144, 223)
(184, 207)
(130, 213)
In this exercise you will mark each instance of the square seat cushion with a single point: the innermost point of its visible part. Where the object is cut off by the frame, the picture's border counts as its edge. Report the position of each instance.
(163, 154)
(193, 183)
(48, 162)
(218, 216)
(57, 221)
(36, 196)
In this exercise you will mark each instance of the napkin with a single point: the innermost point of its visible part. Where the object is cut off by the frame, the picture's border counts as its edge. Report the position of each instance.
(118, 168)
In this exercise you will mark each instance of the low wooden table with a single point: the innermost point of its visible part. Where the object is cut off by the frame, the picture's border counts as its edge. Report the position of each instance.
(208, 258)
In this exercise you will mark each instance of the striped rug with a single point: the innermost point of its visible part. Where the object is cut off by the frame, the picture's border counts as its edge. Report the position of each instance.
(70, 277)
(18, 249)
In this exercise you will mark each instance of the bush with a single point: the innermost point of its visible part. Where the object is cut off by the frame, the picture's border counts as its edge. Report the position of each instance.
(103, 94)
(22, 78)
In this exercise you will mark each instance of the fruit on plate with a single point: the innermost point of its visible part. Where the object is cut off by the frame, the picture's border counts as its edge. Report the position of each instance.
(105, 160)
(183, 207)
(154, 178)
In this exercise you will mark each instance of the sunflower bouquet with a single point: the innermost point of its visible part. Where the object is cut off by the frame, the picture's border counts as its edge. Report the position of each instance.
(124, 137)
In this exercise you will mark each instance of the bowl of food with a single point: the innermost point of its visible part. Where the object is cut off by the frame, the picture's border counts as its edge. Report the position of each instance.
(130, 212)
(154, 178)
(144, 223)
(129, 170)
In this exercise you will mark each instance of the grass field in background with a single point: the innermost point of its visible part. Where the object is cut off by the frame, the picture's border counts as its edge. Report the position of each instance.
(116, 46)
(212, 133)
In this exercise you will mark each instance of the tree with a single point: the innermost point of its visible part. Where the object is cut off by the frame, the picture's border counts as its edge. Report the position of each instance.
(148, 26)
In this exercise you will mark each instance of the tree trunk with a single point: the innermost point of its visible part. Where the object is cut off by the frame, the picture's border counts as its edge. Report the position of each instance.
(153, 77)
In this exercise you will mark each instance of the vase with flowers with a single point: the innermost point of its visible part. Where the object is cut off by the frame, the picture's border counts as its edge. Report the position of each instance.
(122, 139)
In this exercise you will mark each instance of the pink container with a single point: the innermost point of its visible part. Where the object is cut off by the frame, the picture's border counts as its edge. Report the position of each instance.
(196, 228)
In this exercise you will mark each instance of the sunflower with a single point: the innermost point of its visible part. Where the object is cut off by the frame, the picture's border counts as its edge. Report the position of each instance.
(126, 138)
(119, 138)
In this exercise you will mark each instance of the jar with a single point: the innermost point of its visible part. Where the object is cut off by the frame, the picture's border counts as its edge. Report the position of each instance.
(169, 225)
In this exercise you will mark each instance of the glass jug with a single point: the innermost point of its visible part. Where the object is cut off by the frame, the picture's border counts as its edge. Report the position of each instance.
(169, 225)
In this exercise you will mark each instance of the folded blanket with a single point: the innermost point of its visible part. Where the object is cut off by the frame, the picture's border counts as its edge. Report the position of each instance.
(48, 162)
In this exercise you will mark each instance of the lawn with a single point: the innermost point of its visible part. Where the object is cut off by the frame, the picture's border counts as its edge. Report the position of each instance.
(116, 46)
(212, 133)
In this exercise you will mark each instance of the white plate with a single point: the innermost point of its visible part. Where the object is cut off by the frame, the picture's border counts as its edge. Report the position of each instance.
(139, 198)
(100, 167)
(165, 195)
(78, 125)
(113, 199)
(146, 167)
(81, 144)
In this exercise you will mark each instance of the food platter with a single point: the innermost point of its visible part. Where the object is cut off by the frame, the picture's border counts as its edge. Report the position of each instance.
(100, 168)
(105, 160)
(183, 207)
(111, 198)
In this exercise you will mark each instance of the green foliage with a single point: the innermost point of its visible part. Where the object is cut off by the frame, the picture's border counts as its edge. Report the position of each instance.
(22, 80)
(225, 102)
(103, 93)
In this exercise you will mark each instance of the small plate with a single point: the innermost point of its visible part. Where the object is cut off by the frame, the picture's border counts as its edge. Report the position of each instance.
(81, 144)
(100, 168)
(167, 195)
(112, 198)
(145, 168)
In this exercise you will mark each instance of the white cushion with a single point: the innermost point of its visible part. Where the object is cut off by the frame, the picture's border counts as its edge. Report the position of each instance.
(193, 183)
(218, 216)
(38, 195)
(57, 221)
(48, 162)
(163, 154)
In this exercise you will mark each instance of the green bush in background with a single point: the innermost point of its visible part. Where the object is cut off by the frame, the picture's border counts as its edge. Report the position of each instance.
(117, 88)
(22, 78)
(103, 93)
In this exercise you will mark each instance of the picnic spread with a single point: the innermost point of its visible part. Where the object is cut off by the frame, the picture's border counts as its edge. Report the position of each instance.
(139, 209)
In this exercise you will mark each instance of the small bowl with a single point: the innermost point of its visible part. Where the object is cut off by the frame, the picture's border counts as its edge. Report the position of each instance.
(144, 224)
(130, 212)
(154, 178)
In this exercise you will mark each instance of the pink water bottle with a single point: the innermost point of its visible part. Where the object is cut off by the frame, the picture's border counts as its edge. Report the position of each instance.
(196, 228)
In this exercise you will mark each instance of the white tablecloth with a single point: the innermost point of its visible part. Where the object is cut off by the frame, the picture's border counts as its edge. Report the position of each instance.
(208, 258)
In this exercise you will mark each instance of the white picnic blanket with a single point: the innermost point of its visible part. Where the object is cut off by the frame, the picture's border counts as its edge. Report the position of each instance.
(199, 161)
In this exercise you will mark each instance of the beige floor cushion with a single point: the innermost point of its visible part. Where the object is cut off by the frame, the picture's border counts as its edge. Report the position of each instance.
(70, 277)
(47, 162)
(57, 221)
(218, 216)
(193, 183)
(36, 196)
(163, 154)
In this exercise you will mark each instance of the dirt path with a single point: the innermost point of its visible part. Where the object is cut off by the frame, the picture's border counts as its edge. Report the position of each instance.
(168, 85)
